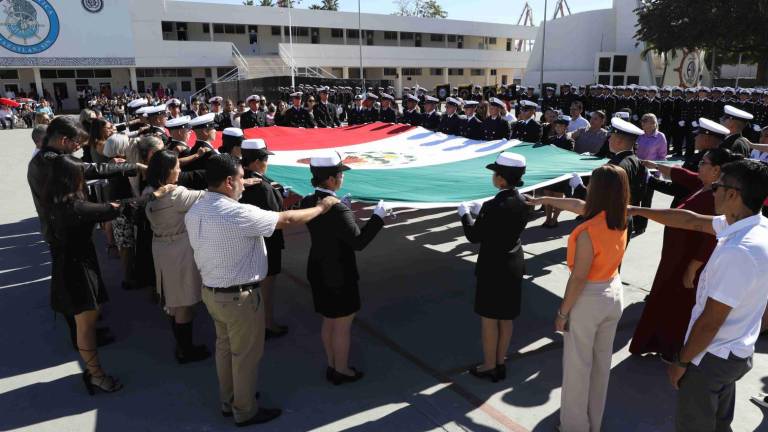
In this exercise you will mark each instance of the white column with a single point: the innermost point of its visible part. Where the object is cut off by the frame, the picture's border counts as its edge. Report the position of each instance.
(445, 76)
(344, 32)
(398, 38)
(488, 76)
(282, 34)
(134, 81)
(38, 81)
(210, 27)
(214, 74)
(399, 83)
(345, 72)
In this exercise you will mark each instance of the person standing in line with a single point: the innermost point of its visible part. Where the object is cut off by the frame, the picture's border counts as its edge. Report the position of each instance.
(594, 299)
(651, 146)
(730, 299)
(500, 265)
(227, 238)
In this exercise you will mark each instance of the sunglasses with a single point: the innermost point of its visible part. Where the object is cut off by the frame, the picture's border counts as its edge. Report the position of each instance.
(717, 185)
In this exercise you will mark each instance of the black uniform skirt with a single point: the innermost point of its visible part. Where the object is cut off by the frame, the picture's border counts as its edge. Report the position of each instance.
(336, 302)
(499, 283)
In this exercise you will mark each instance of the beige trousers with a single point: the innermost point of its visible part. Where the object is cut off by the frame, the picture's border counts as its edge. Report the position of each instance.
(239, 321)
(588, 347)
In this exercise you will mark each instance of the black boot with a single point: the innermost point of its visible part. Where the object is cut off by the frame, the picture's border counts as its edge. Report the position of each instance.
(186, 352)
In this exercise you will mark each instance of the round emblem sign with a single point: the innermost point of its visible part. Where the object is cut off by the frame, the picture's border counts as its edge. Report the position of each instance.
(93, 6)
(689, 69)
(28, 26)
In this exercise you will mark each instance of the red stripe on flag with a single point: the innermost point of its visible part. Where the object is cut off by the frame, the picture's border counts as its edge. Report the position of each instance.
(287, 138)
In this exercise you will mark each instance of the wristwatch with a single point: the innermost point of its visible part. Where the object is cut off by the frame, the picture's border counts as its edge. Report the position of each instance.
(681, 364)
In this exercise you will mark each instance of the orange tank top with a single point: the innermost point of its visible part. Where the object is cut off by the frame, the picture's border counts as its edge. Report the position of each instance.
(608, 248)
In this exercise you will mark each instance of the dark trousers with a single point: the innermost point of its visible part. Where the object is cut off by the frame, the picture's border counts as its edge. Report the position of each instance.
(707, 395)
(690, 147)
(639, 222)
(678, 140)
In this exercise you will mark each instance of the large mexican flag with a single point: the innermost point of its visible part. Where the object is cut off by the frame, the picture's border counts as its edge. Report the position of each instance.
(411, 166)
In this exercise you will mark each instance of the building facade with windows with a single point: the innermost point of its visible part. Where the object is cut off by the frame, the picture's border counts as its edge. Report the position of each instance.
(185, 46)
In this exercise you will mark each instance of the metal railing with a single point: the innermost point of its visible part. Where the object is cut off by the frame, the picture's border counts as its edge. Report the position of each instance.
(232, 75)
(311, 71)
(240, 62)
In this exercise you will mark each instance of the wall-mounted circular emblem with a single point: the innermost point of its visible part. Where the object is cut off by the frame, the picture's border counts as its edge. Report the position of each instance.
(689, 70)
(28, 26)
(93, 6)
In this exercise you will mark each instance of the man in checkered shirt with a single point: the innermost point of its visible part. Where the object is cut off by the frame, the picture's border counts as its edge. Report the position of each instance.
(228, 240)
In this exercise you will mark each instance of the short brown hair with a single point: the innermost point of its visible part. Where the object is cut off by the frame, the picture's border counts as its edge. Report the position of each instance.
(608, 192)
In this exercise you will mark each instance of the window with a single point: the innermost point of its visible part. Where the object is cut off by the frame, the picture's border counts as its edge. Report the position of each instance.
(618, 80)
(604, 64)
(206, 28)
(208, 74)
(222, 71)
(451, 38)
(337, 33)
(453, 71)
(412, 71)
(66, 73)
(406, 36)
(218, 28)
(85, 73)
(48, 73)
(354, 73)
(102, 73)
(477, 72)
(239, 29)
(253, 29)
(199, 83)
(619, 63)
(167, 26)
(509, 44)
(492, 41)
(10, 74)
(352, 34)
(229, 28)
(140, 87)
(181, 26)
(390, 71)
(435, 71)
(633, 79)
(186, 86)
(604, 79)
(186, 72)
(81, 84)
(388, 35)
(275, 30)
(436, 37)
(493, 72)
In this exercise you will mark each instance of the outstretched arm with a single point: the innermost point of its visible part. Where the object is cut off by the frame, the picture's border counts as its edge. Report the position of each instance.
(675, 218)
(569, 204)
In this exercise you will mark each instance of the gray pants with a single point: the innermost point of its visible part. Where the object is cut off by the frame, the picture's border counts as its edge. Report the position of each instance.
(705, 401)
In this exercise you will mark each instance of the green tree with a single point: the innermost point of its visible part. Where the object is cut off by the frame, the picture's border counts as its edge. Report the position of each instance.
(288, 3)
(420, 8)
(331, 5)
(728, 27)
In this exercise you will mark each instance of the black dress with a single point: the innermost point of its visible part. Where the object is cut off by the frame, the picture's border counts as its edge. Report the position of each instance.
(500, 265)
(268, 195)
(331, 267)
(76, 284)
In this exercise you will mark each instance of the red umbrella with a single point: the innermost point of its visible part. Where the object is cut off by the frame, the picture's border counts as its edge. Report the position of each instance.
(9, 102)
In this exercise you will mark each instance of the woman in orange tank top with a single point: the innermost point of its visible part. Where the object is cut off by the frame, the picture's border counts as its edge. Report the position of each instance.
(593, 300)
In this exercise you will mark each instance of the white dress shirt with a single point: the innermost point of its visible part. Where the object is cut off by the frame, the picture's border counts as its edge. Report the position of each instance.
(735, 276)
(577, 123)
(228, 240)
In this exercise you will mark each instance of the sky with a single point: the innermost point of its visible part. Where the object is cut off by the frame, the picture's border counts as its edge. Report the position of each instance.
(498, 11)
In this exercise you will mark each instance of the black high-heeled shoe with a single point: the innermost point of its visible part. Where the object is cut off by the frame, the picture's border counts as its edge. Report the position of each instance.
(329, 374)
(491, 374)
(501, 371)
(103, 382)
(339, 378)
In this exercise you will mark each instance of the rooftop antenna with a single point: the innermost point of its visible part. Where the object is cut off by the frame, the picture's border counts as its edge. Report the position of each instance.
(562, 9)
(526, 19)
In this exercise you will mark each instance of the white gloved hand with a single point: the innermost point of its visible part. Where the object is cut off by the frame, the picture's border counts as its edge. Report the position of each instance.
(286, 191)
(463, 209)
(681, 123)
(575, 181)
(647, 175)
(634, 117)
(659, 121)
(380, 210)
(756, 128)
(475, 207)
(695, 124)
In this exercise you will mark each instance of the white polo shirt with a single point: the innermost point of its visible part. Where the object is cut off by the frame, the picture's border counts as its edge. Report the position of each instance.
(735, 275)
(228, 240)
(577, 123)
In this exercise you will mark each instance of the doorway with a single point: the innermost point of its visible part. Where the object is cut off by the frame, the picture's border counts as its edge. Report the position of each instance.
(60, 94)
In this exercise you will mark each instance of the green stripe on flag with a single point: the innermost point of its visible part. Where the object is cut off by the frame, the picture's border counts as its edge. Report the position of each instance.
(464, 180)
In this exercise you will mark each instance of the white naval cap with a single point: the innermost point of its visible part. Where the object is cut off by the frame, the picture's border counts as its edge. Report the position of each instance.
(624, 127)
(563, 119)
(412, 97)
(508, 161)
(233, 132)
(178, 122)
(173, 101)
(297, 94)
(328, 159)
(431, 99)
(216, 99)
(255, 144)
(155, 110)
(471, 104)
(387, 96)
(622, 115)
(736, 113)
(525, 103)
(709, 127)
(453, 101)
(496, 101)
(252, 97)
(142, 110)
(203, 121)
(371, 96)
(137, 103)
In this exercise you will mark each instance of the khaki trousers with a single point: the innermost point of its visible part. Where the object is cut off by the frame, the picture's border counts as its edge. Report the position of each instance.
(588, 347)
(239, 321)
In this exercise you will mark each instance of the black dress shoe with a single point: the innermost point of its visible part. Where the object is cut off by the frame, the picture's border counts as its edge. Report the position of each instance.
(264, 415)
(329, 374)
(491, 374)
(339, 378)
(274, 333)
(501, 371)
(197, 353)
(230, 413)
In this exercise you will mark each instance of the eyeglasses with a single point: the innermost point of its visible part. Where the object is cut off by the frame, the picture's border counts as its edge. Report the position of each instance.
(717, 185)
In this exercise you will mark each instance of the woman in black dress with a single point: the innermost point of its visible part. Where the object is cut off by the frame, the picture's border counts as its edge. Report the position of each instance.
(331, 268)
(76, 285)
(500, 266)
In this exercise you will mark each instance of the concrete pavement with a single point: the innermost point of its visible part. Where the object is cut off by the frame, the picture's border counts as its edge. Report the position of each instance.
(414, 338)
